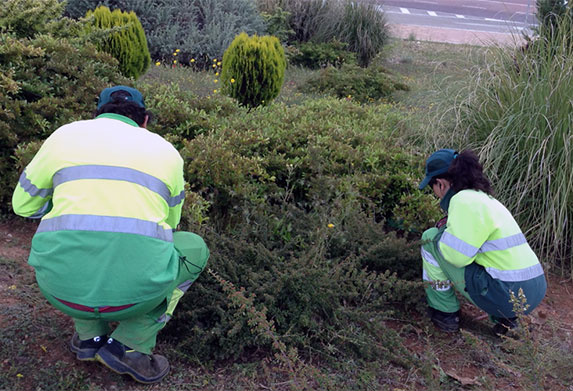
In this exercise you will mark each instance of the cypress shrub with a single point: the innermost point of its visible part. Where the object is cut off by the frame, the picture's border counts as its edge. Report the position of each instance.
(126, 43)
(253, 69)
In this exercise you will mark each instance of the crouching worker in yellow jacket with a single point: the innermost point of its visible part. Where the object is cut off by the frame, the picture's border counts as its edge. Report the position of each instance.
(109, 194)
(478, 249)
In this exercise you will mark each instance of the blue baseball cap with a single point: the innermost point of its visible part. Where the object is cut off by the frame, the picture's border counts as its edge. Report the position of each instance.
(132, 95)
(438, 163)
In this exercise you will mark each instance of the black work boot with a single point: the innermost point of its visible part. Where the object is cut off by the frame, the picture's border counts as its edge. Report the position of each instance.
(503, 325)
(144, 368)
(445, 321)
(86, 350)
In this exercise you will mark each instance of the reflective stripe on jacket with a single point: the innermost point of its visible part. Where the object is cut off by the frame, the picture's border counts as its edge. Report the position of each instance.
(481, 230)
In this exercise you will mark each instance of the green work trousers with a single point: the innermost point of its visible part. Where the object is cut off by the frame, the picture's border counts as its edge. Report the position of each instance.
(138, 325)
(440, 276)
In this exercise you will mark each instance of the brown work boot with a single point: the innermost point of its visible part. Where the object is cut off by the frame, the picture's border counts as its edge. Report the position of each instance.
(144, 368)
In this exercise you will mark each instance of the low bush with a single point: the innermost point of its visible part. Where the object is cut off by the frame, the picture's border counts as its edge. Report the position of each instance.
(320, 55)
(353, 82)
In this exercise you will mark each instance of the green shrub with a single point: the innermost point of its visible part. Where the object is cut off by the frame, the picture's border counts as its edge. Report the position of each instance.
(50, 75)
(200, 29)
(253, 70)
(320, 55)
(353, 82)
(126, 42)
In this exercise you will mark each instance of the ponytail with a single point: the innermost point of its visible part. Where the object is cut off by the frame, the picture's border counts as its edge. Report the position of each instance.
(466, 172)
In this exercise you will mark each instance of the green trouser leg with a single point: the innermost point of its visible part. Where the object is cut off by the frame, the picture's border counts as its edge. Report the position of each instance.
(139, 332)
(440, 276)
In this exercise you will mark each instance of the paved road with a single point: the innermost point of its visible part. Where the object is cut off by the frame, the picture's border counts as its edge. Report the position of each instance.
(502, 16)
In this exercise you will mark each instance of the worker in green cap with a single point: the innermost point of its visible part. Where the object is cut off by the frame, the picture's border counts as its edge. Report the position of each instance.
(478, 249)
(109, 195)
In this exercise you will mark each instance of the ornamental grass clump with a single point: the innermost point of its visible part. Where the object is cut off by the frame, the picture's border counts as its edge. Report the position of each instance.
(253, 70)
(519, 112)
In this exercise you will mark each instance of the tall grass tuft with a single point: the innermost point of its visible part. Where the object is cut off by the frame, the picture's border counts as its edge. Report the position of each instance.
(520, 114)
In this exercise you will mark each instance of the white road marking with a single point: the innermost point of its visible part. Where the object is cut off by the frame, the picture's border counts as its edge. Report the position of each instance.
(494, 20)
(432, 13)
(405, 11)
(460, 16)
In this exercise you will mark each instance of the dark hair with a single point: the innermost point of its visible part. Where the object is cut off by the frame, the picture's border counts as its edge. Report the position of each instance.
(466, 172)
(119, 105)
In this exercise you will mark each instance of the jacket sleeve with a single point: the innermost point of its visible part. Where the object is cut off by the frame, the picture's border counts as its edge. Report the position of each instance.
(33, 194)
(467, 229)
(177, 195)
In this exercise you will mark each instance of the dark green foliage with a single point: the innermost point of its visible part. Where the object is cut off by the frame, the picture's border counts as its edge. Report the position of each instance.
(200, 29)
(126, 41)
(353, 82)
(47, 80)
(320, 55)
(253, 70)
(277, 24)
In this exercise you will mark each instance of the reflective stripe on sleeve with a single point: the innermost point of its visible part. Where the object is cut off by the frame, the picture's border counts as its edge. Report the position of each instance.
(106, 224)
(428, 257)
(459, 245)
(121, 174)
(516, 275)
(490, 245)
(32, 189)
(503, 243)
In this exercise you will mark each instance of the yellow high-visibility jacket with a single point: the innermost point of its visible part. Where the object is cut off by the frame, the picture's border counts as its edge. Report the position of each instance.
(110, 195)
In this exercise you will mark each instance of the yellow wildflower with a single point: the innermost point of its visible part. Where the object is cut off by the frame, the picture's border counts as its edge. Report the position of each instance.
(219, 63)
(232, 80)
(174, 54)
(215, 81)
(215, 91)
(216, 73)
(214, 60)
(330, 225)
(177, 50)
(214, 66)
(12, 287)
(174, 61)
(19, 375)
(158, 63)
(192, 60)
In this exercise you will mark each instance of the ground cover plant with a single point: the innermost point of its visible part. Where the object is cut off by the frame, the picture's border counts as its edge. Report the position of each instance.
(310, 208)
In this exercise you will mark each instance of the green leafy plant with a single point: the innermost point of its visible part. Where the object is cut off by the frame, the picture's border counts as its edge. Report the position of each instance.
(320, 55)
(253, 70)
(126, 41)
(353, 82)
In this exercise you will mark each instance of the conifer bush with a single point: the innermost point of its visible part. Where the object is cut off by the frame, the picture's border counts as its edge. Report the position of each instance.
(126, 42)
(253, 70)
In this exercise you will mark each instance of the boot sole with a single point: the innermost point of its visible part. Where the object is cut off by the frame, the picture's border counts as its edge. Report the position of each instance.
(110, 361)
(83, 355)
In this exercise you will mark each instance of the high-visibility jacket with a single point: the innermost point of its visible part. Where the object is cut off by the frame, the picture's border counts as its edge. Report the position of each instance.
(481, 231)
(110, 194)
